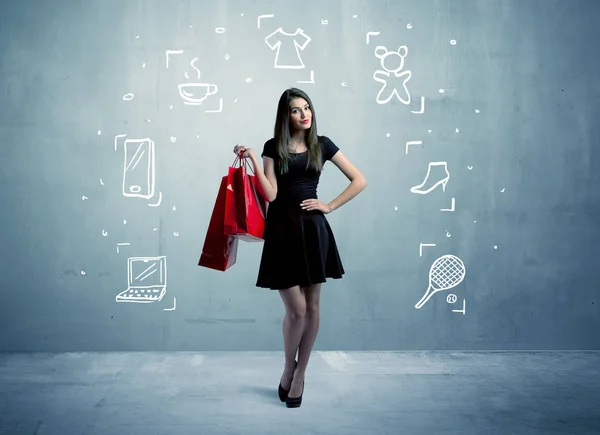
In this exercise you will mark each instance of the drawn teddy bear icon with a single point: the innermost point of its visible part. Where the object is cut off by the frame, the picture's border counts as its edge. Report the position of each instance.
(392, 63)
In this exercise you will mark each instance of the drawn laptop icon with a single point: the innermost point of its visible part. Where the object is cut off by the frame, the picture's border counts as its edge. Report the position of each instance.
(146, 280)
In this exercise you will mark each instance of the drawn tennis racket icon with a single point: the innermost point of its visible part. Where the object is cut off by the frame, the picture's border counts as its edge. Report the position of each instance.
(446, 272)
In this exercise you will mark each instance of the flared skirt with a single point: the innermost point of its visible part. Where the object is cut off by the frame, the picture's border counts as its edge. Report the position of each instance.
(299, 249)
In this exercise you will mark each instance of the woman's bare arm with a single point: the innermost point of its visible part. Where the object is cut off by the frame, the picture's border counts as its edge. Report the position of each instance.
(267, 179)
(357, 180)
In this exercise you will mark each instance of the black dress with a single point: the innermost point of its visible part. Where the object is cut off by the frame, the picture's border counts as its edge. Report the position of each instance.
(299, 247)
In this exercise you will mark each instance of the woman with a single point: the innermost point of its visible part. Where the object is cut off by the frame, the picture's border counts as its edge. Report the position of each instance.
(299, 250)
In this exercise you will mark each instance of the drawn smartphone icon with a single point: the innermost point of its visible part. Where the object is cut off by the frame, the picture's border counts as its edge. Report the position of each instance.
(139, 168)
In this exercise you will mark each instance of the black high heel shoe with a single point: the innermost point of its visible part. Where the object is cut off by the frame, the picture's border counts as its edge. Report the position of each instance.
(282, 392)
(295, 402)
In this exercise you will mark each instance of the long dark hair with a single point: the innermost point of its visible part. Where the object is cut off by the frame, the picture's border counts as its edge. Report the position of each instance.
(282, 132)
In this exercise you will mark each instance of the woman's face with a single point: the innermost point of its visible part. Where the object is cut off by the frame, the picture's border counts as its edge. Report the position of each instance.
(300, 114)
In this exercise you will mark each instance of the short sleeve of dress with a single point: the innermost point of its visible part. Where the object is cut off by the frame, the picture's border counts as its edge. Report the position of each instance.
(269, 149)
(328, 147)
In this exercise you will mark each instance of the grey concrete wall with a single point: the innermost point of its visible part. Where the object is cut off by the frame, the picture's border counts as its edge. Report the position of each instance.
(502, 97)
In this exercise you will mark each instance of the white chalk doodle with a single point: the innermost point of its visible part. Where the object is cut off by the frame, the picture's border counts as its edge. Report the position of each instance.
(453, 42)
(344, 84)
(104, 233)
(287, 47)
(476, 110)
(324, 22)
(99, 132)
(448, 234)
(144, 65)
(411, 143)
(424, 245)
(311, 80)
(218, 109)
(387, 135)
(158, 201)
(173, 139)
(503, 189)
(457, 130)
(121, 244)
(146, 280)
(409, 26)
(392, 63)
(226, 56)
(174, 208)
(395, 208)
(461, 311)
(495, 246)
(124, 222)
(174, 305)
(194, 93)
(83, 198)
(169, 53)
(368, 36)
(433, 178)
(138, 167)
(445, 273)
(220, 30)
(452, 206)
(262, 17)
(117, 140)
(82, 272)
(470, 168)
(176, 234)
(128, 97)
(451, 298)
(248, 80)
(422, 109)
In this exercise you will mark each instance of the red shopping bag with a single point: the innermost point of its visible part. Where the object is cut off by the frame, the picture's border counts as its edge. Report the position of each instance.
(251, 206)
(220, 250)
(231, 225)
(245, 206)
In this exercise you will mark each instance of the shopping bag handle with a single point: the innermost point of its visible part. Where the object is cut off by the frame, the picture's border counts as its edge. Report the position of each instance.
(242, 161)
(248, 166)
(257, 199)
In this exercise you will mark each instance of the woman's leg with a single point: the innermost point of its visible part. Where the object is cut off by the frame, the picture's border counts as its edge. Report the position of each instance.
(312, 296)
(293, 325)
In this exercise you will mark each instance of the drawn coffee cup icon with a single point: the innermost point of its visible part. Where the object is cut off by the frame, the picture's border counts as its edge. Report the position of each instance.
(196, 93)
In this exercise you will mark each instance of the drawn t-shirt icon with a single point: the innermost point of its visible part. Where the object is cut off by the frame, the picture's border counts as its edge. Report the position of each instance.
(288, 46)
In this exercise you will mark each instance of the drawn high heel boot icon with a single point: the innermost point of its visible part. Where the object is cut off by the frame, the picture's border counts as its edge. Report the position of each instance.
(433, 181)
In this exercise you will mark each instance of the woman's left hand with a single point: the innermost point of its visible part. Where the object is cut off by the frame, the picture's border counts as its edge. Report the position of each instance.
(315, 204)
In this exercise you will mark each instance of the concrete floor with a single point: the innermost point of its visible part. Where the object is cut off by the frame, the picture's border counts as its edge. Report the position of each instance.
(346, 393)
